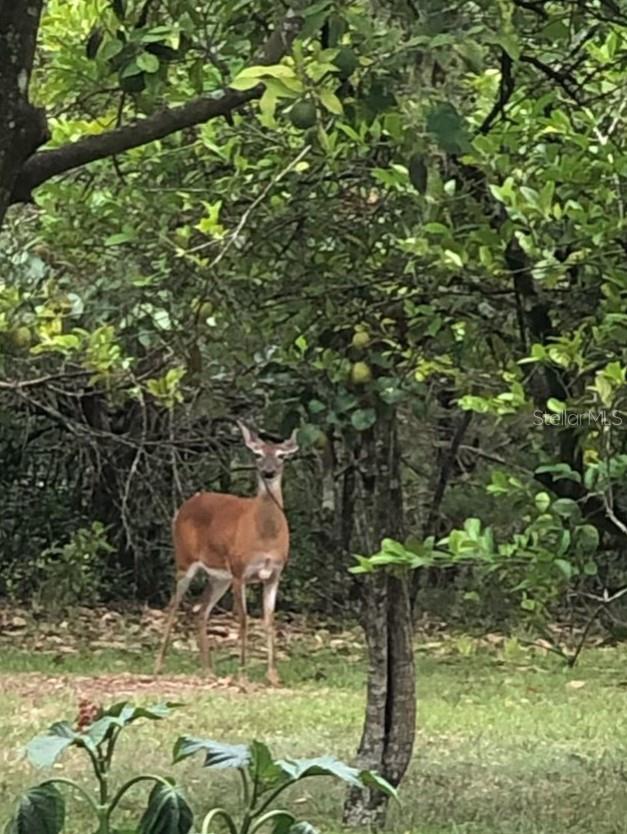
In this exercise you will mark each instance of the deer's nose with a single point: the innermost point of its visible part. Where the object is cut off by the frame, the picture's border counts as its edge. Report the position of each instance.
(268, 473)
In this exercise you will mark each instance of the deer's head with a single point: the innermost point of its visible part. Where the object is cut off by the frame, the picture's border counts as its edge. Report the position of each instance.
(269, 457)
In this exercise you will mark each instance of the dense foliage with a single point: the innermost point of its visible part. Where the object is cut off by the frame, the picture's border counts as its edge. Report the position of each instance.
(398, 228)
(423, 214)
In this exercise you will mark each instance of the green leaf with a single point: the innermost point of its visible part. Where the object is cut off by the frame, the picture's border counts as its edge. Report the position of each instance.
(273, 71)
(244, 83)
(264, 770)
(314, 17)
(167, 813)
(323, 766)
(302, 828)
(41, 810)
(559, 471)
(587, 538)
(119, 237)
(283, 823)
(44, 750)
(363, 418)
(267, 107)
(373, 780)
(110, 48)
(448, 128)
(125, 712)
(566, 507)
(556, 406)
(197, 75)
(331, 101)
(510, 43)
(131, 69)
(147, 62)
(216, 755)
(565, 567)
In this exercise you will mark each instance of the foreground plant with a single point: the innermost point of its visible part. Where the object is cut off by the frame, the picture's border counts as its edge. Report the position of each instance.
(41, 810)
(264, 779)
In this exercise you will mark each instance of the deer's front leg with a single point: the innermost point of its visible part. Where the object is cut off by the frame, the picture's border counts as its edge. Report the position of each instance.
(270, 589)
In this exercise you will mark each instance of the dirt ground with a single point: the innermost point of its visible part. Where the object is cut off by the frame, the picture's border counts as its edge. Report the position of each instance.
(34, 686)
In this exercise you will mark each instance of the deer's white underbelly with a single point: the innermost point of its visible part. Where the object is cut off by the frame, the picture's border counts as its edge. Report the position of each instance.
(262, 567)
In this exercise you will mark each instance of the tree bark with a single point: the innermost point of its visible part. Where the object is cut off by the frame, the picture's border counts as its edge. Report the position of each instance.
(22, 126)
(390, 722)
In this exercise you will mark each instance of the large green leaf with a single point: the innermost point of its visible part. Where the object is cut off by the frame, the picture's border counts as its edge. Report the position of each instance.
(330, 766)
(44, 750)
(41, 810)
(121, 715)
(216, 754)
(264, 770)
(125, 713)
(322, 766)
(167, 813)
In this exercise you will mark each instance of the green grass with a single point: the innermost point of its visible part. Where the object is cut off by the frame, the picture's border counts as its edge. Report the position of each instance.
(503, 746)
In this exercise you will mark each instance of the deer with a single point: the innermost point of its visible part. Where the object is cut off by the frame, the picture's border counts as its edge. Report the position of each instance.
(235, 542)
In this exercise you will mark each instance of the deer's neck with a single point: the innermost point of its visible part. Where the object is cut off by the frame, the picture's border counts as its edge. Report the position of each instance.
(269, 517)
(270, 495)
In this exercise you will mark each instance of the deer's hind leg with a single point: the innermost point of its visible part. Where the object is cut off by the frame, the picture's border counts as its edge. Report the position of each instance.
(218, 584)
(182, 585)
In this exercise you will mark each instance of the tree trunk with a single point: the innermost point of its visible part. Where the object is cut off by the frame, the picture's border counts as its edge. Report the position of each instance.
(22, 126)
(390, 723)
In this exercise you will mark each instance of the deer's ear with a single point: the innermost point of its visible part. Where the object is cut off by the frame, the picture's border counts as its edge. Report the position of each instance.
(290, 446)
(251, 439)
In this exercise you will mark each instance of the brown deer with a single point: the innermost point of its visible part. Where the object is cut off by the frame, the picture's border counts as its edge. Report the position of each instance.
(236, 542)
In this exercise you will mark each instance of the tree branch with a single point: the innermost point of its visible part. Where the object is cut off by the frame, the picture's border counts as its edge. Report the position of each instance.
(46, 164)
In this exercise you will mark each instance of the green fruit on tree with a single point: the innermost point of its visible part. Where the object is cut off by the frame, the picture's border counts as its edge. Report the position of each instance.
(361, 339)
(303, 114)
(20, 338)
(346, 61)
(205, 310)
(361, 373)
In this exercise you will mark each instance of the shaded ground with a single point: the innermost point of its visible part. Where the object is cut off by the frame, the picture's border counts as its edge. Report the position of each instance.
(131, 629)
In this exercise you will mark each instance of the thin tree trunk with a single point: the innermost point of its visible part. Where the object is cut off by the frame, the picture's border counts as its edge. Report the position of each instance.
(390, 722)
(22, 126)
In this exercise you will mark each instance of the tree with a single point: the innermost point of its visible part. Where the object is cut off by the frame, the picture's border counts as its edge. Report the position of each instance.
(24, 126)
(412, 218)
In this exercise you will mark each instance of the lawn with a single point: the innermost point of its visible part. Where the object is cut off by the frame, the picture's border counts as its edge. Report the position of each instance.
(509, 742)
